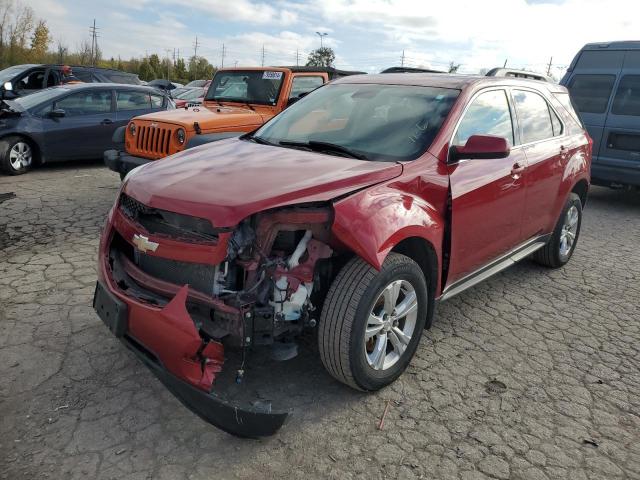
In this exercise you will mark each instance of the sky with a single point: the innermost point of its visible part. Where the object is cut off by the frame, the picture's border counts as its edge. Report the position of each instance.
(367, 35)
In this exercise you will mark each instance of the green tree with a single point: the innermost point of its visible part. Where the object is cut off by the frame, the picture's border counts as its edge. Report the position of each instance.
(154, 61)
(322, 57)
(180, 70)
(146, 71)
(40, 41)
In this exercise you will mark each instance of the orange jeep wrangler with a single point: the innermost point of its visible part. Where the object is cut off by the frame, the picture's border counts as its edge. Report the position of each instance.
(239, 100)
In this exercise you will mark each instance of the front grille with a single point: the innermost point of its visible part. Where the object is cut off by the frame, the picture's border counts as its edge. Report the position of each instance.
(198, 276)
(163, 222)
(153, 140)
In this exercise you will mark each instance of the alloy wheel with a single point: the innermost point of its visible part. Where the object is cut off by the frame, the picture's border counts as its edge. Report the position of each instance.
(569, 230)
(390, 325)
(20, 156)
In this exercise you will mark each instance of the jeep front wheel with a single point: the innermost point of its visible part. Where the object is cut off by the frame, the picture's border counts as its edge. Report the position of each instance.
(371, 321)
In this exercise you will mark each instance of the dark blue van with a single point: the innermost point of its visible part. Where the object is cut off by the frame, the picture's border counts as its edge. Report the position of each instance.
(604, 82)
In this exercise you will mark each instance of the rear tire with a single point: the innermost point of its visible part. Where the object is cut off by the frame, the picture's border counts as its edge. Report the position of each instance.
(560, 247)
(17, 155)
(371, 321)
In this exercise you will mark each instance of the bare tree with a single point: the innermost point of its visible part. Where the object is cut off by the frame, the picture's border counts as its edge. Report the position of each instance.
(62, 52)
(84, 53)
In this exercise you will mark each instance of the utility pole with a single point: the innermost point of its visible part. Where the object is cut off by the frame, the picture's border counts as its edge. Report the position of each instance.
(235, 64)
(297, 57)
(94, 42)
(168, 50)
(195, 58)
(505, 63)
(549, 67)
(223, 52)
(321, 35)
(402, 59)
(262, 55)
(195, 47)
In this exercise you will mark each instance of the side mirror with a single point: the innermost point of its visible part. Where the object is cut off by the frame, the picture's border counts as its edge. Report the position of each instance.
(57, 113)
(481, 147)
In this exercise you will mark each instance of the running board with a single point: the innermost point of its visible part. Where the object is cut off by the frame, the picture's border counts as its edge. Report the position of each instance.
(505, 261)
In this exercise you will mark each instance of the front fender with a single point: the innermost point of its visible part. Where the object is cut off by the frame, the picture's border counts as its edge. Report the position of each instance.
(372, 222)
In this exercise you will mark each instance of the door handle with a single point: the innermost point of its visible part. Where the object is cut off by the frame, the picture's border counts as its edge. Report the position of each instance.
(517, 169)
(106, 121)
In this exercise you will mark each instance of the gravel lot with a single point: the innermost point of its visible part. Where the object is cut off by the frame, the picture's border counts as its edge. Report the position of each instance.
(534, 374)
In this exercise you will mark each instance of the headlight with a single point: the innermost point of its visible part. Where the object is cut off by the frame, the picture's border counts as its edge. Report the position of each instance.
(182, 135)
(132, 128)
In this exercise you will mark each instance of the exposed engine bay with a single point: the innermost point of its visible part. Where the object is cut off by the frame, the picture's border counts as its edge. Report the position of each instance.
(267, 288)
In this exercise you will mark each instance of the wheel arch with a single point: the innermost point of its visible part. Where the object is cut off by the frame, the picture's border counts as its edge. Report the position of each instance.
(581, 188)
(424, 254)
(32, 141)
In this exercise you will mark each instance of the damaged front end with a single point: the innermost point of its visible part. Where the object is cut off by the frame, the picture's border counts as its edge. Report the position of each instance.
(179, 291)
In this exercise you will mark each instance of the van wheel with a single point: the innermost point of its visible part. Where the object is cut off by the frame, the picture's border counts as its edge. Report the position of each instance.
(16, 155)
(564, 239)
(371, 321)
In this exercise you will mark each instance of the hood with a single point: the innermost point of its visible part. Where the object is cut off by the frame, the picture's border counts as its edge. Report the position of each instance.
(208, 119)
(230, 180)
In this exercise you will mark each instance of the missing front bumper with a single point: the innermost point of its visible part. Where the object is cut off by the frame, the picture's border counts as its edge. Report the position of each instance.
(247, 423)
(170, 335)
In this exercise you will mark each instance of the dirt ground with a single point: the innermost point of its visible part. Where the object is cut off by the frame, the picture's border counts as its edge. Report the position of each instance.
(534, 374)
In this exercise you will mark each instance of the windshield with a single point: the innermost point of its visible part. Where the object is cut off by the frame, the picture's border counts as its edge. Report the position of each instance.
(253, 86)
(8, 73)
(376, 122)
(39, 97)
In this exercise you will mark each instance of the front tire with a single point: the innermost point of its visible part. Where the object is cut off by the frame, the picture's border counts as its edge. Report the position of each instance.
(560, 247)
(17, 155)
(371, 321)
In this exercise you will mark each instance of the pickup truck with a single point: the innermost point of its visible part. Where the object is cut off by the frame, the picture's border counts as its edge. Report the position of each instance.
(348, 216)
(239, 100)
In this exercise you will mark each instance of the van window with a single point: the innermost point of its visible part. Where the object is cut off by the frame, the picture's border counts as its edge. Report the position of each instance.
(605, 59)
(627, 99)
(533, 116)
(489, 114)
(591, 92)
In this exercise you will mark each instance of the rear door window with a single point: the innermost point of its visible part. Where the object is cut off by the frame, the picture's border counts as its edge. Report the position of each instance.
(488, 114)
(304, 84)
(627, 99)
(86, 103)
(132, 100)
(534, 116)
(591, 92)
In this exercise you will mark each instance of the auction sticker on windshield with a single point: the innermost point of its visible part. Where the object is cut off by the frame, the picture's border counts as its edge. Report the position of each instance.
(272, 75)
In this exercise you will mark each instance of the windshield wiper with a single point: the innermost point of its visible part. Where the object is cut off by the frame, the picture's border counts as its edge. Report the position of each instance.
(261, 141)
(316, 146)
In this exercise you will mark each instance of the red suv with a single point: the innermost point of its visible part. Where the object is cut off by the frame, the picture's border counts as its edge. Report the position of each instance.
(351, 213)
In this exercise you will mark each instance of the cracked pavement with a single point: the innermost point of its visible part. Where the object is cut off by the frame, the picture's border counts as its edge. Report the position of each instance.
(534, 374)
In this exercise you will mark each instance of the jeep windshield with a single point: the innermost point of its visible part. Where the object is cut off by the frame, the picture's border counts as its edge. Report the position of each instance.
(373, 122)
(251, 86)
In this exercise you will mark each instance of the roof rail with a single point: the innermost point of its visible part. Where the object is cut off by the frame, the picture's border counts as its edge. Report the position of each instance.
(409, 70)
(509, 72)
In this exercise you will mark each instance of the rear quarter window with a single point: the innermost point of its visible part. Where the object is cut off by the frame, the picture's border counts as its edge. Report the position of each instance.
(591, 92)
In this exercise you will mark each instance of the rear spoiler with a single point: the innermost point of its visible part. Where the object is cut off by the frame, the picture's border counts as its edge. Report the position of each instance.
(509, 72)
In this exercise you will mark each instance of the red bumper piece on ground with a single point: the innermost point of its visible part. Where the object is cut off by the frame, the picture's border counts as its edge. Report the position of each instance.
(173, 337)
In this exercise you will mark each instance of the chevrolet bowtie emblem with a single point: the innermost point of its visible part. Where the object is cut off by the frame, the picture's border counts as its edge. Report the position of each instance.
(143, 243)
